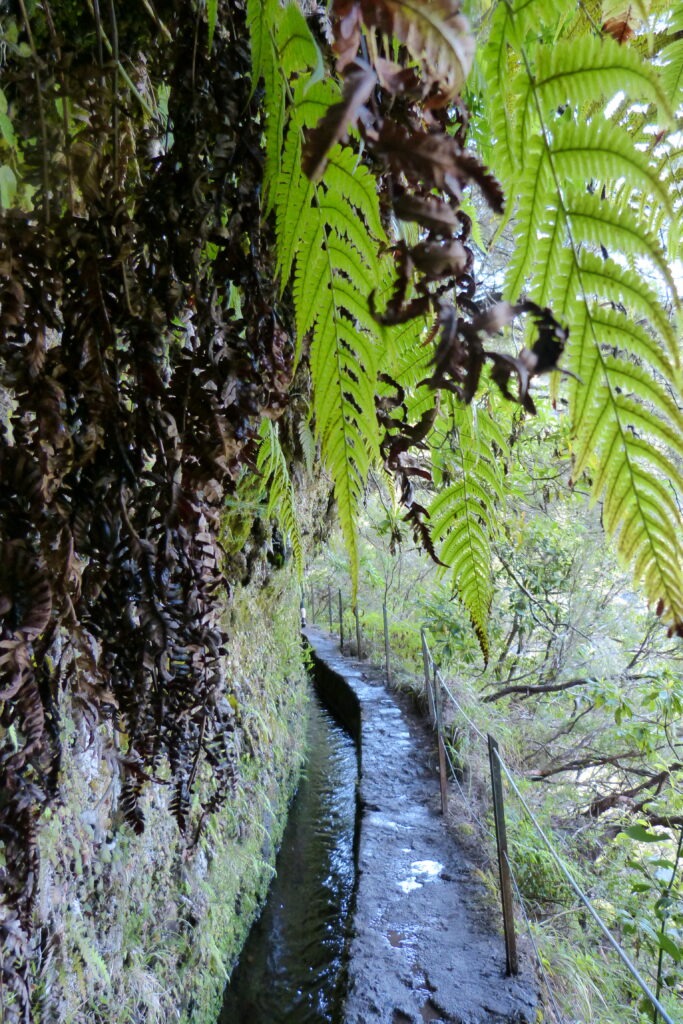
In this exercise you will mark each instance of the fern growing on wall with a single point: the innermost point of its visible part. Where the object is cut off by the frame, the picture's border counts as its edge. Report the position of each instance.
(272, 465)
(584, 244)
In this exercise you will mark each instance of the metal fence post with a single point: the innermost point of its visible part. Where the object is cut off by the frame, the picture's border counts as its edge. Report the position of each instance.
(341, 624)
(503, 865)
(312, 605)
(443, 777)
(386, 643)
(355, 612)
(329, 607)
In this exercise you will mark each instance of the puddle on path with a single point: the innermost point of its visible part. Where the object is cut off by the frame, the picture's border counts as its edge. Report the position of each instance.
(425, 870)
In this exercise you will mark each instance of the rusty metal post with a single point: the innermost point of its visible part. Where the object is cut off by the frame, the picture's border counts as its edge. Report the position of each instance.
(341, 624)
(329, 607)
(503, 865)
(355, 612)
(386, 643)
(443, 775)
(428, 681)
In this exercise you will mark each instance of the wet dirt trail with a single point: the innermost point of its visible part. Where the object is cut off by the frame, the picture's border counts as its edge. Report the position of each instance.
(424, 947)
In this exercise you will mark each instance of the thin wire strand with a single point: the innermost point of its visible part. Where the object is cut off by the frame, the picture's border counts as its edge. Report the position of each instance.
(439, 677)
(467, 800)
(546, 978)
(623, 956)
(464, 714)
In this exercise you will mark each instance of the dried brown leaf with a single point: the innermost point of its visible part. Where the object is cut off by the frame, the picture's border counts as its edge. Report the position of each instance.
(620, 28)
(359, 82)
(435, 160)
(428, 211)
(435, 33)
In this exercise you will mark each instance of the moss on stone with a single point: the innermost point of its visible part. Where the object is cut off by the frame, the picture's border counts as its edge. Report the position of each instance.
(147, 928)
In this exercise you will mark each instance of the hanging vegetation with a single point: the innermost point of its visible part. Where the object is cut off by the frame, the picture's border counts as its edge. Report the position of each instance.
(199, 202)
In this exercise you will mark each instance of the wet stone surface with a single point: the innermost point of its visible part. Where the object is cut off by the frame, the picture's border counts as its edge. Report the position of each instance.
(423, 948)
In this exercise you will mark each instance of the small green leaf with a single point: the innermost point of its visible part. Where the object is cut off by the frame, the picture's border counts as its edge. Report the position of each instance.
(669, 946)
(641, 835)
(6, 129)
(211, 17)
(8, 186)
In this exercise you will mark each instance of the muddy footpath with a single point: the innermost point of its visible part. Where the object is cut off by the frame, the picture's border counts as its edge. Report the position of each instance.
(424, 945)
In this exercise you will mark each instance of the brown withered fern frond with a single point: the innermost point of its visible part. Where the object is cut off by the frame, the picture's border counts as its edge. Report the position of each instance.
(135, 390)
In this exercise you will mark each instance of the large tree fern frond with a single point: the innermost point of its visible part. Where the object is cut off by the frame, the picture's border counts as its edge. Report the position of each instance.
(328, 237)
(464, 513)
(672, 59)
(598, 66)
(593, 209)
(584, 152)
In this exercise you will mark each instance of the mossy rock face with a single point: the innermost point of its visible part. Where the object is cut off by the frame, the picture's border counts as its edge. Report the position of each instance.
(148, 927)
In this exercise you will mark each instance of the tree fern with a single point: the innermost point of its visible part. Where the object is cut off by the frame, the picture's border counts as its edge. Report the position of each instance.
(328, 235)
(587, 197)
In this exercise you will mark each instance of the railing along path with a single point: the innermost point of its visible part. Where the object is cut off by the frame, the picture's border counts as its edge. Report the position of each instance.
(435, 688)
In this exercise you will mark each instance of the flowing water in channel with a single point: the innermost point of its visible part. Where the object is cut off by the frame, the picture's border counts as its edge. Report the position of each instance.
(292, 967)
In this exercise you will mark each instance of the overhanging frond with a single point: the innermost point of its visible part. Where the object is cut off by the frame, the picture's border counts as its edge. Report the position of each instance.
(592, 213)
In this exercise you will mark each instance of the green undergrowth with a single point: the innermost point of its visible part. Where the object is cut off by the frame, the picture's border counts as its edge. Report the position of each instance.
(147, 928)
(583, 693)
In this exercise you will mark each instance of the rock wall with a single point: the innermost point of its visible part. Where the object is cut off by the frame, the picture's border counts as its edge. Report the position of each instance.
(145, 928)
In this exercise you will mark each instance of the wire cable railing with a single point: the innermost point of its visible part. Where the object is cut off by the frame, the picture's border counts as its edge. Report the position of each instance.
(581, 895)
(435, 688)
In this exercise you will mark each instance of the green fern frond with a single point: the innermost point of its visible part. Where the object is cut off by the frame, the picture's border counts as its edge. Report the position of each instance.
(622, 287)
(552, 261)
(91, 957)
(584, 152)
(293, 197)
(463, 514)
(532, 216)
(623, 333)
(271, 463)
(260, 23)
(524, 16)
(307, 442)
(345, 176)
(297, 50)
(614, 226)
(593, 209)
(567, 73)
(495, 59)
(633, 378)
(408, 361)
(328, 236)
(281, 43)
(672, 60)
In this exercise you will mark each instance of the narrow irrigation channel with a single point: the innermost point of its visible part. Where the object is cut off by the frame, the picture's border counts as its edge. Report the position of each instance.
(293, 965)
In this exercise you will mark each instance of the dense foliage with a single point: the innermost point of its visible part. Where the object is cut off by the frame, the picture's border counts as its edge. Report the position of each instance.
(589, 194)
(141, 344)
(214, 213)
(583, 691)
